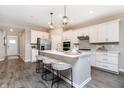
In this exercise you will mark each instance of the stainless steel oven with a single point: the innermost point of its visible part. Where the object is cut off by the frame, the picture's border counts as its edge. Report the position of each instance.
(66, 46)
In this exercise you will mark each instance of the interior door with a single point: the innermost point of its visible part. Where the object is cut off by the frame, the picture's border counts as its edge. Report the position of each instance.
(12, 45)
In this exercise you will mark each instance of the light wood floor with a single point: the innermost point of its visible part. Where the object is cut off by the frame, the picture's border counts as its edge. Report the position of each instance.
(14, 73)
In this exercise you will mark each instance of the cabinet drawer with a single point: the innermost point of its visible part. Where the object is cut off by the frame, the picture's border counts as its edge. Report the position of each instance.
(107, 54)
(107, 59)
(107, 66)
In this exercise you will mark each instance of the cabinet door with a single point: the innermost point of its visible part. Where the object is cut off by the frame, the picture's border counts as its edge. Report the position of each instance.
(93, 60)
(74, 37)
(39, 34)
(93, 34)
(113, 31)
(86, 31)
(102, 33)
(105, 32)
(67, 36)
(33, 36)
(45, 35)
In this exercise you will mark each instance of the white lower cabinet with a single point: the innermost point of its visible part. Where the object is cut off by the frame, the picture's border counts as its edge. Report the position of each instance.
(108, 61)
(34, 54)
(93, 60)
(107, 66)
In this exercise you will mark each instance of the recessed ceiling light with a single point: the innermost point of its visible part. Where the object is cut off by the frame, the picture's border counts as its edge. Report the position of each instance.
(91, 12)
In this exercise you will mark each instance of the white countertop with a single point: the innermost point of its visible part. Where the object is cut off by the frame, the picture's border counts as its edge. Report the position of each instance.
(72, 55)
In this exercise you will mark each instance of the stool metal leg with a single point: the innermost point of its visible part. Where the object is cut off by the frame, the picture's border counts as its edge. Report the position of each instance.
(38, 66)
(43, 71)
(58, 77)
(71, 78)
(53, 79)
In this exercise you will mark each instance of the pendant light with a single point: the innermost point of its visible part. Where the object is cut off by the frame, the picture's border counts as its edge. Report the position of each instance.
(51, 23)
(65, 18)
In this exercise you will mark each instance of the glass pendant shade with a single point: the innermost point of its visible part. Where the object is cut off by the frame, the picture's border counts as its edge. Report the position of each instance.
(65, 18)
(51, 24)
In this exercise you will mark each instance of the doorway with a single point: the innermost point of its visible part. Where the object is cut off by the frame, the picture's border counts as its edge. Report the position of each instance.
(12, 45)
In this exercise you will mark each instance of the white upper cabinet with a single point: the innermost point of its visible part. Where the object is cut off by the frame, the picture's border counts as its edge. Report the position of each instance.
(93, 34)
(45, 35)
(72, 35)
(67, 35)
(85, 31)
(100, 33)
(38, 34)
(74, 38)
(105, 32)
(113, 31)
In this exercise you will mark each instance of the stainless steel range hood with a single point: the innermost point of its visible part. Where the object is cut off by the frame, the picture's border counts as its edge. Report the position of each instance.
(83, 37)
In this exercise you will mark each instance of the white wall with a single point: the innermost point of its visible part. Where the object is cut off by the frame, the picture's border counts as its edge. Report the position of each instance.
(22, 45)
(2, 49)
(56, 37)
(27, 45)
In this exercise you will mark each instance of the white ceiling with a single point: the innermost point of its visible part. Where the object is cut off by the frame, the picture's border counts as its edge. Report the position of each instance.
(39, 15)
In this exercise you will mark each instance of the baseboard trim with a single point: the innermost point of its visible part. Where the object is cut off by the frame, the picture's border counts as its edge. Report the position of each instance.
(76, 85)
(2, 59)
(121, 70)
(21, 58)
(85, 82)
(27, 61)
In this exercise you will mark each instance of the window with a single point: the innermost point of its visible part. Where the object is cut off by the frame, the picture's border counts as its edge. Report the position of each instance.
(12, 41)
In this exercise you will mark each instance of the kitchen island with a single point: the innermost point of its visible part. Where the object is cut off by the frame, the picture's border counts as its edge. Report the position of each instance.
(81, 65)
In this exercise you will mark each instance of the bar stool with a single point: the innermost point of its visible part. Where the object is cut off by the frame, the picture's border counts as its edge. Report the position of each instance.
(38, 63)
(47, 62)
(59, 67)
